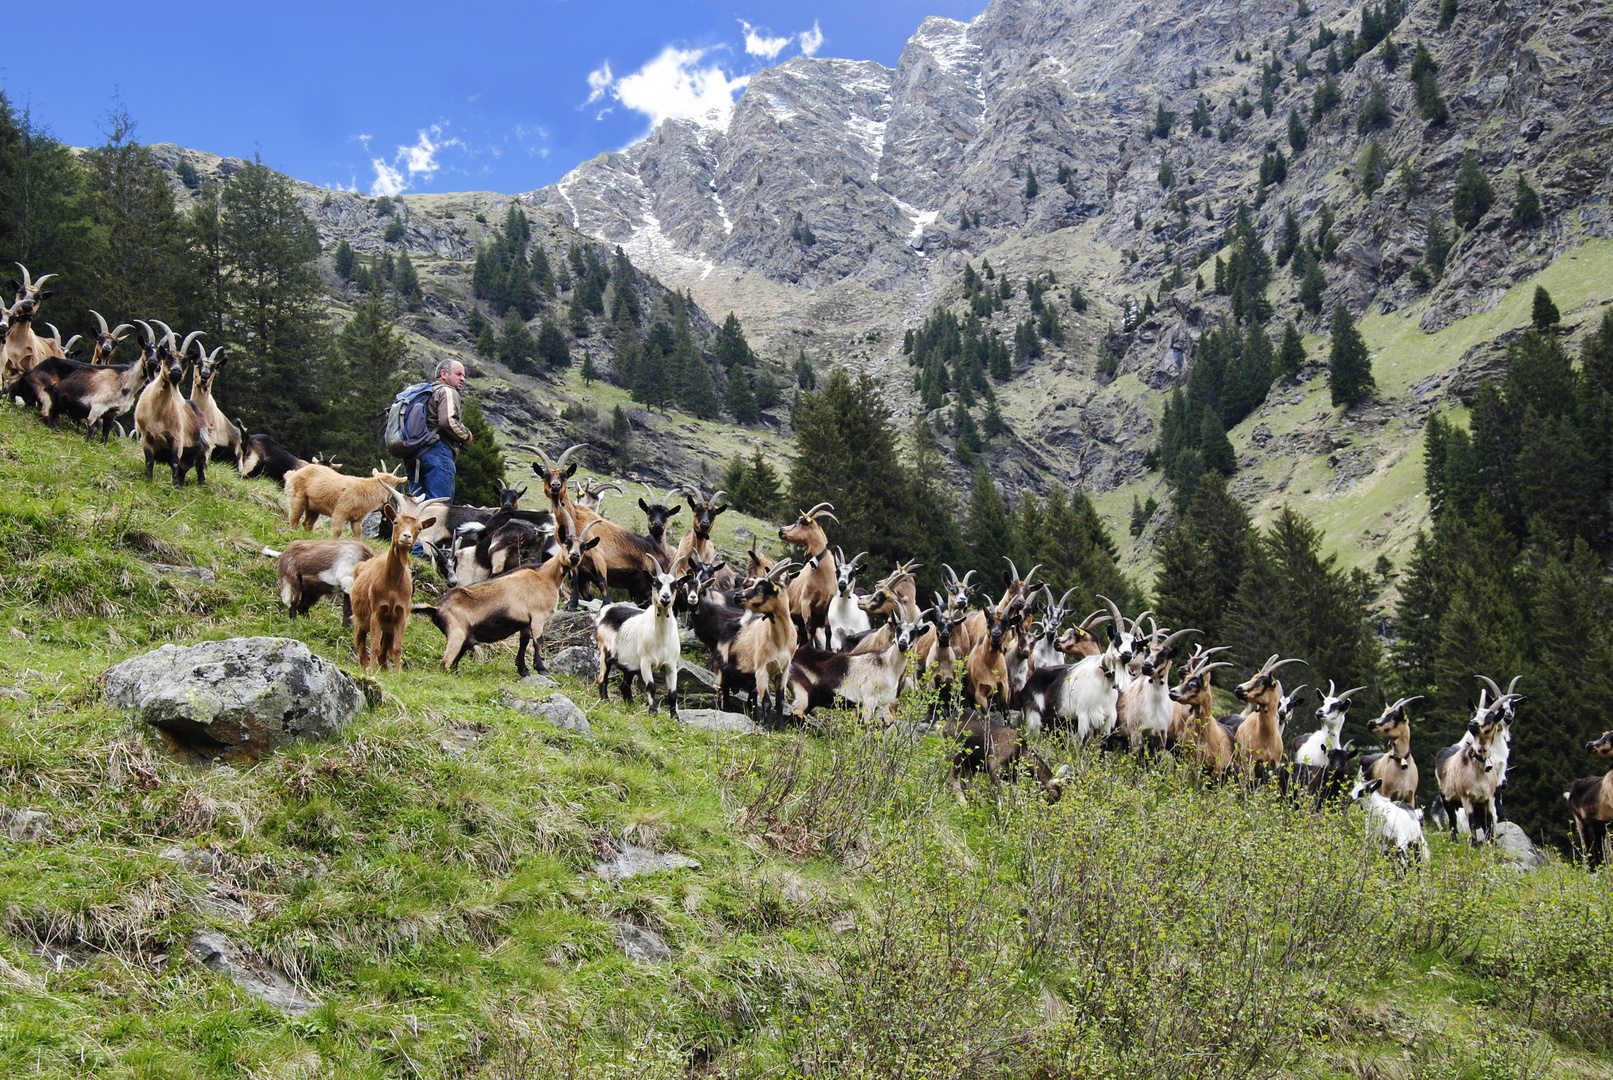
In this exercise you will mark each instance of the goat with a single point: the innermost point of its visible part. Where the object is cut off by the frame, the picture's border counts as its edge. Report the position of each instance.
(1125, 644)
(845, 615)
(1145, 710)
(944, 656)
(105, 342)
(170, 426)
(1258, 738)
(764, 647)
(260, 455)
(1590, 801)
(658, 514)
(757, 563)
(618, 560)
(1015, 588)
(1312, 753)
(1081, 696)
(521, 601)
(318, 490)
(872, 681)
(813, 590)
(223, 436)
(697, 541)
(591, 492)
(94, 394)
(308, 570)
(382, 591)
(1395, 766)
(1396, 827)
(1467, 777)
(958, 596)
(1051, 647)
(985, 745)
(985, 677)
(23, 348)
(1501, 747)
(715, 622)
(1207, 738)
(54, 347)
(642, 644)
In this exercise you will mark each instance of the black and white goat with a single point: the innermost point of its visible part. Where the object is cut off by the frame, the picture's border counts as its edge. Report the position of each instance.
(1077, 697)
(1311, 751)
(642, 644)
(1398, 828)
(870, 680)
(846, 615)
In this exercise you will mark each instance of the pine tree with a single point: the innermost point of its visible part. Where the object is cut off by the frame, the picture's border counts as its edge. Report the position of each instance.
(1525, 204)
(589, 372)
(369, 355)
(516, 347)
(1292, 355)
(738, 397)
(692, 385)
(1545, 315)
(1438, 246)
(1349, 366)
(1031, 187)
(988, 529)
(1473, 196)
(1371, 166)
(1375, 114)
(479, 468)
(345, 259)
(1312, 286)
(1202, 554)
(1215, 449)
(1290, 239)
(1447, 13)
(992, 423)
(621, 432)
(486, 342)
(805, 377)
(1298, 137)
(406, 282)
(965, 436)
(552, 350)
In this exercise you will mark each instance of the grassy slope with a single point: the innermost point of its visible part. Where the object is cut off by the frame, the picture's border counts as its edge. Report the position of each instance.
(425, 875)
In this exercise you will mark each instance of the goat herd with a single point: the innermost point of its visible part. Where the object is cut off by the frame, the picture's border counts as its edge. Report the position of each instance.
(789, 636)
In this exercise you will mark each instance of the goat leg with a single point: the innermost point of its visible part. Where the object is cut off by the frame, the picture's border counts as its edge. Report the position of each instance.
(520, 653)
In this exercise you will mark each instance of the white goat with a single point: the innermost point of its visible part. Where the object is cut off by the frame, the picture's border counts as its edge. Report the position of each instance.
(1311, 751)
(846, 616)
(1397, 828)
(642, 643)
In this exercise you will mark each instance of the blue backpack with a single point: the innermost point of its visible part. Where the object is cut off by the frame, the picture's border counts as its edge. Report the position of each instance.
(406, 431)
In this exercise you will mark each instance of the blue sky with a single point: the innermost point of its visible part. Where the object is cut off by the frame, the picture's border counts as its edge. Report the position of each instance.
(417, 97)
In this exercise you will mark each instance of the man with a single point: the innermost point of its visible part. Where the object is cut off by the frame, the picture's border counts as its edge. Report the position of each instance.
(434, 466)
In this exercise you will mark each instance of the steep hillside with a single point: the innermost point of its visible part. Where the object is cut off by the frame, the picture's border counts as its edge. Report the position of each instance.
(429, 878)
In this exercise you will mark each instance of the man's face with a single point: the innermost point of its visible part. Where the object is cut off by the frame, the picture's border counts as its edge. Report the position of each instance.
(455, 376)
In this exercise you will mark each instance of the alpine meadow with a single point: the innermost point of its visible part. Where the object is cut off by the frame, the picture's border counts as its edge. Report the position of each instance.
(1085, 553)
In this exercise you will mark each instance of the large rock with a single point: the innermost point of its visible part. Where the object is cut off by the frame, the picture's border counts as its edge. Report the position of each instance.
(220, 955)
(717, 720)
(632, 861)
(578, 661)
(247, 694)
(1516, 849)
(26, 826)
(642, 946)
(556, 709)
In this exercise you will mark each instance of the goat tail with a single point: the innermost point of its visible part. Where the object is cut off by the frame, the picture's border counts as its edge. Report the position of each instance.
(270, 552)
(430, 612)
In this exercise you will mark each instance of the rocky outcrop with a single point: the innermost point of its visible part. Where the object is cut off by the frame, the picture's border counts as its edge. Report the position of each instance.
(242, 694)
(218, 954)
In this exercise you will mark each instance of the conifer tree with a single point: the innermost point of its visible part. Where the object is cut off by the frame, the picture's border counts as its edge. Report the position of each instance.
(1349, 366)
(988, 528)
(1311, 287)
(406, 282)
(345, 260)
(369, 354)
(516, 347)
(1473, 196)
(992, 423)
(1545, 315)
(738, 397)
(1298, 136)
(692, 385)
(1447, 13)
(1032, 189)
(1292, 355)
(552, 350)
(1202, 553)
(965, 436)
(479, 468)
(1438, 246)
(589, 372)
(1525, 204)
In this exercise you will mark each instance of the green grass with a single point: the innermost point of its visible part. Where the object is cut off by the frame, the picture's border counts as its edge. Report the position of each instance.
(426, 875)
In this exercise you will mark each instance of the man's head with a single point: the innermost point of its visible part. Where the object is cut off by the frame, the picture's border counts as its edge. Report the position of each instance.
(451, 373)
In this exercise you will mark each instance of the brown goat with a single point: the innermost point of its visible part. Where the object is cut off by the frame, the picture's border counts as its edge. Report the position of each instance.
(318, 490)
(308, 570)
(105, 342)
(697, 542)
(1258, 737)
(1209, 741)
(814, 589)
(1590, 801)
(984, 745)
(382, 590)
(94, 394)
(1467, 778)
(521, 601)
(764, 647)
(618, 560)
(985, 677)
(171, 429)
(223, 436)
(23, 348)
(1395, 767)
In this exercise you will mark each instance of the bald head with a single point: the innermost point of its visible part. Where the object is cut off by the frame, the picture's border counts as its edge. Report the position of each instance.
(451, 372)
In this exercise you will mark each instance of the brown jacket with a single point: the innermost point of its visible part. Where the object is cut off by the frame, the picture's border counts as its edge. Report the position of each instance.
(442, 416)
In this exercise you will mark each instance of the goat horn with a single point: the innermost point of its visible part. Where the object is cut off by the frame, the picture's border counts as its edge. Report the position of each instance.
(812, 513)
(1203, 668)
(648, 490)
(1296, 691)
(1346, 695)
(529, 448)
(778, 568)
(1014, 569)
(588, 528)
(190, 337)
(1065, 599)
(1032, 574)
(1490, 682)
(27, 285)
(1171, 640)
(964, 584)
(67, 348)
(55, 334)
(1403, 702)
(40, 284)
(951, 575)
(1120, 621)
(151, 335)
(119, 331)
(1093, 621)
(821, 514)
(1513, 685)
(856, 560)
(560, 462)
(717, 495)
(100, 321)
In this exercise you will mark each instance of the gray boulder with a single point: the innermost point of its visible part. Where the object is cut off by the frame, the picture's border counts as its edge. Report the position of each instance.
(26, 826)
(632, 861)
(556, 709)
(220, 955)
(1516, 849)
(717, 720)
(248, 694)
(642, 946)
(578, 661)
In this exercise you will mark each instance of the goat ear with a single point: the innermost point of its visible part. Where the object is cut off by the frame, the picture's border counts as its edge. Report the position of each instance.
(674, 510)
(389, 512)
(46, 295)
(571, 470)
(1374, 785)
(1008, 579)
(643, 506)
(589, 545)
(428, 523)
(718, 566)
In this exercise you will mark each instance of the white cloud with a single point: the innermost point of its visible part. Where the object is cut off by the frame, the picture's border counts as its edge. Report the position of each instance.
(674, 85)
(756, 44)
(419, 160)
(599, 83)
(811, 40)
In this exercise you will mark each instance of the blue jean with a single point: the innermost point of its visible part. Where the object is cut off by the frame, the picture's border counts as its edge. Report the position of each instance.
(434, 473)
